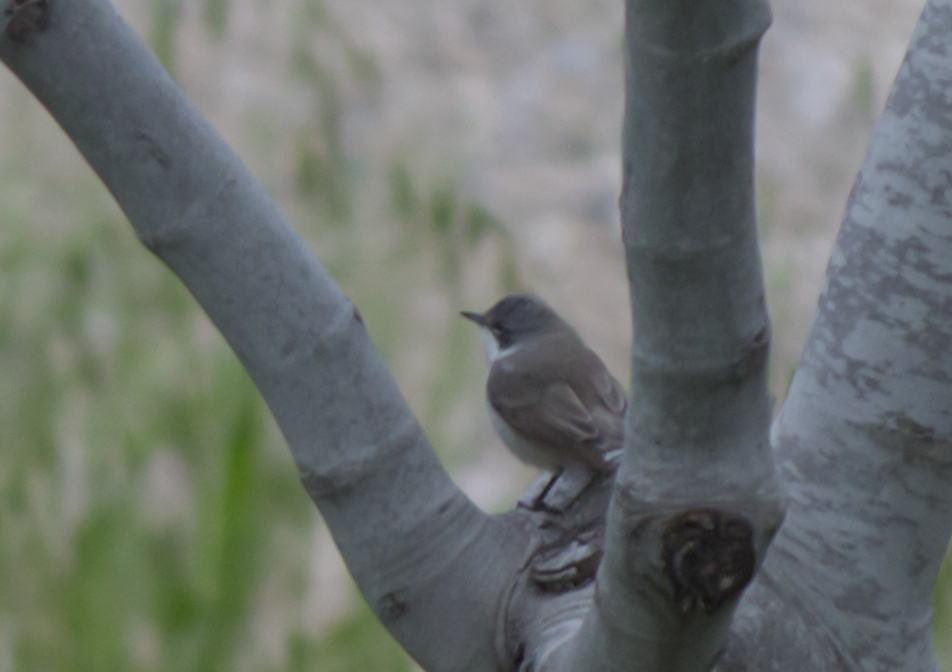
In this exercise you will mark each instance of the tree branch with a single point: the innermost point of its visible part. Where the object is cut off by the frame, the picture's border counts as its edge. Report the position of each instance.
(864, 440)
(696, 502)
(417, 547)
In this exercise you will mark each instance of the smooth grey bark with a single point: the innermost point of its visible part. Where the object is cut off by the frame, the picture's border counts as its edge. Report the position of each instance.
(864, 439)
(696, 501)
(417, 547)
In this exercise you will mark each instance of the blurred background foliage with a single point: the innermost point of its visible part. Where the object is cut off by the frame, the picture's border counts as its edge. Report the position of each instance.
(434, 155)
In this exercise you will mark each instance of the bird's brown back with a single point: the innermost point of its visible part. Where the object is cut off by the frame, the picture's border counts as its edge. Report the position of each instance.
(559, 403)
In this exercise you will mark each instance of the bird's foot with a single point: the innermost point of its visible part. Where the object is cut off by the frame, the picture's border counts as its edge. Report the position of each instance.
(556, 492)
(535, 494)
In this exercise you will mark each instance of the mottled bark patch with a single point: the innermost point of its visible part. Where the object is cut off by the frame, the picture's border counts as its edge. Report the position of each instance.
(708, 557)
(24, 17)
(568, 568)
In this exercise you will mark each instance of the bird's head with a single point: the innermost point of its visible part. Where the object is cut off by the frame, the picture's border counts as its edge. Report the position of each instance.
(513, 319)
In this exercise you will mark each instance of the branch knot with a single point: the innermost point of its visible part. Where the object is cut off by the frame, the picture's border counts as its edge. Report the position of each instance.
(708, 557)
(24, 17)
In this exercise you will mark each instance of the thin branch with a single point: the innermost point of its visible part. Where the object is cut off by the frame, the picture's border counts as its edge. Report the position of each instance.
(416, 545)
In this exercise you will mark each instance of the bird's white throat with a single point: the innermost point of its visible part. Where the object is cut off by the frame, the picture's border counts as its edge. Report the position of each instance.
(491, 346)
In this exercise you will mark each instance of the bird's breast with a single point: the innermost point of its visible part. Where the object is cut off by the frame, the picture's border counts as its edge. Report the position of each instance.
(522, 448)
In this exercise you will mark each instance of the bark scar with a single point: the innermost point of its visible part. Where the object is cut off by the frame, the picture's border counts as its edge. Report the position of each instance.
(24, 17)
(708, 557)
(154, 149)
(754, 358)
(391, 606)
(568, 568)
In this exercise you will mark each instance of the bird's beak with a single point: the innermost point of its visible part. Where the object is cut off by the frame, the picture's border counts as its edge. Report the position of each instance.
(478, 318)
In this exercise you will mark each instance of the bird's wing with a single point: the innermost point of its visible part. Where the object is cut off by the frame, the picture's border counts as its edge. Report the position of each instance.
(609, 410)
(571, 413)
(610, 392)
(510, 389)
(565, 412)
(550, 413)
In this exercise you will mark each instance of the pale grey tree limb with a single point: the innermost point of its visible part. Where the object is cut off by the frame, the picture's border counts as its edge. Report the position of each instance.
(864, 440)
(417, 547)
(696, 501)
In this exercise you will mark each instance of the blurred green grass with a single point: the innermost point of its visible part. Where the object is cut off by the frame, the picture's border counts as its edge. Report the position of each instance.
(103, 371)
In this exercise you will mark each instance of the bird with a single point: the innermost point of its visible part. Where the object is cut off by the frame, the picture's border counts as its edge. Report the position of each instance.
(551, 399)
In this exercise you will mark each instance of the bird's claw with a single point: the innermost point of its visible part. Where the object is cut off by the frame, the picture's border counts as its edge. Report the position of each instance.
(556, 492)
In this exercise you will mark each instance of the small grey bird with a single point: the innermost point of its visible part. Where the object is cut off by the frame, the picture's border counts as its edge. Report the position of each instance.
(551, 399)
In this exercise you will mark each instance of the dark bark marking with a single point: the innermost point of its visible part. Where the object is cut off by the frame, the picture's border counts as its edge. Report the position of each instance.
(319, 486)
(162, 242)
(919, 445)
(871, 276)
(519, 657)
(160, 156)
(708, 557)
(754, 358)
(25, 17)
(390, 607)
